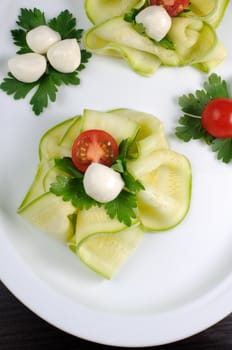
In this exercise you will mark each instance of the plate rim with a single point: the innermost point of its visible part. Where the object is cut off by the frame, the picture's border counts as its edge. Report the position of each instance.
(180, 324)
(205, 311)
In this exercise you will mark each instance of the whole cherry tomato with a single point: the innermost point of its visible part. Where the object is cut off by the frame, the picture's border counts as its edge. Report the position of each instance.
(217, 117)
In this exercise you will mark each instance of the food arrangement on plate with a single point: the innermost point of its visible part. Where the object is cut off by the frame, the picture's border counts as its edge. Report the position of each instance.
(49, 55)
(97, 187)
(148, 34)
(109, 179)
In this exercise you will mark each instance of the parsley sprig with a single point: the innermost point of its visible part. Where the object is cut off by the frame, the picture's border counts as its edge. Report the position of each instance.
(70, 188)
(139, 27)
(46, 87)
(131, 184)
(190, 123)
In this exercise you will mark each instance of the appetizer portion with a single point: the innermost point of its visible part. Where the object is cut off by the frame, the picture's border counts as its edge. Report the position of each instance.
(49, 55)
(208, 116)
(148, 34)
(100, 187)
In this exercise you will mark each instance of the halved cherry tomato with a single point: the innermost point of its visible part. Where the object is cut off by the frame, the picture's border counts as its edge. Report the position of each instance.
(173, 7)
(217, 117)
(94, 146)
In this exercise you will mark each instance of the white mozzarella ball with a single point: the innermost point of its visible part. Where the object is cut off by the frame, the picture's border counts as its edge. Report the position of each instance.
(155, 20)
(41, 38)
(28, 67)
(65, 56)
(102, 183)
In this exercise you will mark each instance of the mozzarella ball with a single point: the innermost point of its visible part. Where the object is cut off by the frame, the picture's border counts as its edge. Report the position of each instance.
(155, 20)
(41, 38)
(28, 67)
(65, 56)
(102, 183)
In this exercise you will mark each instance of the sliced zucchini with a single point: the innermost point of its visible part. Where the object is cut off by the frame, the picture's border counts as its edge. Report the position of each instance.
(50, 177)
(36, 189)
(101, 10)
(141, 62)
(150, 136)
(118, 31)
(105, 253)
(193, 39)
(166, 176)
(213, 58)
(210, 11)
(71, 134)
(118, 126)
(51, 215)
(102, 243)
(49, 146)
(95, 220)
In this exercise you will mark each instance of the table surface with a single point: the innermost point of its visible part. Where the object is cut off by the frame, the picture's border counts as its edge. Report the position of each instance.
(20, 329)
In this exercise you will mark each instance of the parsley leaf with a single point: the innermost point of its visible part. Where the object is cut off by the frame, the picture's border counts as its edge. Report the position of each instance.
(72, 190)
(194, 105)
(120, 162)
(19, 39)
(122, 207)
(191, 128)
(139, 27)
(216, 87)
(131, 184)
(165, 42)
(66, 78)
(46, 90)
(65, 24)
(67, 165)
(46, 87)
(85, 56)
(130, 16)
(223, 147)
(15, 87)
(190, 125)
(29, 19)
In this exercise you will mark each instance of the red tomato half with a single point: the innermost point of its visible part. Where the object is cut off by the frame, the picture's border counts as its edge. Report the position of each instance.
(217, 117)
(94, 146)
(173, 7)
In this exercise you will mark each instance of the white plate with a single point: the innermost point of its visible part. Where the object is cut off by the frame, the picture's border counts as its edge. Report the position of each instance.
(176, 283)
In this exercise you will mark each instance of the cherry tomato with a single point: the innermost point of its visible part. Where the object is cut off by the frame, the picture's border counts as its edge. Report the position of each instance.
(173, 7)
(94, 146)
(217, 117)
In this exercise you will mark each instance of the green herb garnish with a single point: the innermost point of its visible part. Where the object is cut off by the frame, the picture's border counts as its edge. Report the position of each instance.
(122, 207)
(190, 123)
(131, 184)
(47, 86)
(165, 42)
(130, 16)
(70, 188)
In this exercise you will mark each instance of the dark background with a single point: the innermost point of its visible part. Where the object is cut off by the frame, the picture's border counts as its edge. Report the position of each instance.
(20, 329)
